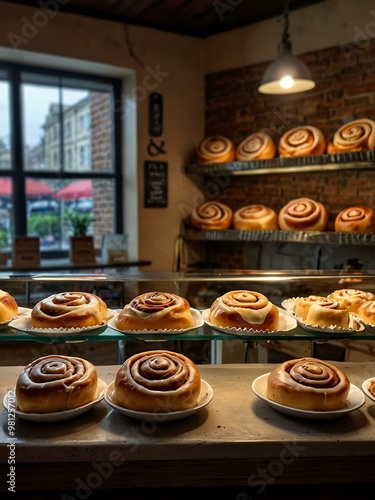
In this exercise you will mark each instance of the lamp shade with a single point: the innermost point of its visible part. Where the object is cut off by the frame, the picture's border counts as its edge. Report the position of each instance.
(286, 75)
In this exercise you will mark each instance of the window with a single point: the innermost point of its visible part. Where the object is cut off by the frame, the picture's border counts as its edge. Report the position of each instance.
(59, 151)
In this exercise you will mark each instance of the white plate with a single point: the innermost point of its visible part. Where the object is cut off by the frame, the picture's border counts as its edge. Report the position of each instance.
(10, 403)
(21, 312)
(354, 324)
(286, 323)
(205, 397)
(23, 324)
(197, 317)
(365, 387)
(355, 400)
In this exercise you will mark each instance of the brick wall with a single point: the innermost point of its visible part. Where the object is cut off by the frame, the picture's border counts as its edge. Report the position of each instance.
(345, 90)
(101, 160)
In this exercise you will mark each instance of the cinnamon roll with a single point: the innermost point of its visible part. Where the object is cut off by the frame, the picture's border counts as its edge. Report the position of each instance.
(322, 311)
(244, 309)
(308, 384)
(255, 217)
(258, 146)
(56, 383)
(8, 306)
(357, 219)
(351, 298)
(302, 141)
(357, 135)
(157, 381)
(215, 149)
(155, 311)
(69, 310)
(366, 312)
(303, 214)
(211, 215)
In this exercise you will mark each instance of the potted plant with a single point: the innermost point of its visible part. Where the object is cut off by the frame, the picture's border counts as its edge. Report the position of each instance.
(81, 245)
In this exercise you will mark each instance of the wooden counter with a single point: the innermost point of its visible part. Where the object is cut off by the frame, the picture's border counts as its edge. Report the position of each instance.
(237, 440)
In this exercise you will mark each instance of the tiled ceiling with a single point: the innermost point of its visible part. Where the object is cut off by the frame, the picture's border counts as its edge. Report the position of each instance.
(199, 18)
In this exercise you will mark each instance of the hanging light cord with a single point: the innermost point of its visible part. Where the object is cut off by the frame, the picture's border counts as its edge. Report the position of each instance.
(285, 42)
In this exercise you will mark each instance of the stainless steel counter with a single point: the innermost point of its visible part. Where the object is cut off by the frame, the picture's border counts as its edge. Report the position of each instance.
(236, 440)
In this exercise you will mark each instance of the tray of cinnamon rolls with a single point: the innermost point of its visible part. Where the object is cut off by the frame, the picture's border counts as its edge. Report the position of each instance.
(297, 142)
(344, 311)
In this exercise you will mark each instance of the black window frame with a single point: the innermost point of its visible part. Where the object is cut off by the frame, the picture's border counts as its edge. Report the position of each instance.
(18, 173)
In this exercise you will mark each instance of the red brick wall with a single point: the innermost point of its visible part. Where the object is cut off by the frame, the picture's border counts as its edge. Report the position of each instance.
(345, 90)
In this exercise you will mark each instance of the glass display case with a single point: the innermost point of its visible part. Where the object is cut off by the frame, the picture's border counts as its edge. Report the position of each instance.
(200, 289)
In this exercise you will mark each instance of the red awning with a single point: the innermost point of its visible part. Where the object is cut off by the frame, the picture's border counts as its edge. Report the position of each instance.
(33, 187)
(75, 190)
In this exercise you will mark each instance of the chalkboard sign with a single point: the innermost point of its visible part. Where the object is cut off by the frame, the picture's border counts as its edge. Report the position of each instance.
(155, 115)
(156, 184)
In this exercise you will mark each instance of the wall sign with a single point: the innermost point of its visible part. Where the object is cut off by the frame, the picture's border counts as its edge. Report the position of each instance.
(155, 115)
(156, 183)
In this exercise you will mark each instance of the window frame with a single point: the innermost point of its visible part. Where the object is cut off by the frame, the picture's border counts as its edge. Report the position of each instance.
(19, 174)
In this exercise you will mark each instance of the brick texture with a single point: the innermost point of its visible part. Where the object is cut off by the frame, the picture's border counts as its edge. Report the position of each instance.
(345, 90)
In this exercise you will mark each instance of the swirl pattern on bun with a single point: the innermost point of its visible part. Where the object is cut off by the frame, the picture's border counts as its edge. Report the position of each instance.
(155, 311)
(302, 141)
(8, 306)
(211, 215)
(303, 214)
(351, 298)
(357, 135)
(157, 381)
(215, 149)
(322, 311)
(244, 309)
(356, 219)
(56, 383)
(69, 310)
(257, 146)
(308, 384)
(255, 217)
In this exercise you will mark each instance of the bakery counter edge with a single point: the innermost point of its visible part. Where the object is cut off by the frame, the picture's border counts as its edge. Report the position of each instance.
(236, 437)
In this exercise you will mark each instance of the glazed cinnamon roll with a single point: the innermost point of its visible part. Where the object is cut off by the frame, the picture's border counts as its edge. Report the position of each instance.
(156, 311)
(351, 298)
(303, 214)
(357, 219)
(302, 141)
(215, 149)
(366, 312)
(308, 384)
(322, 311)
(258, 146)
(255, 217)
(56, 383)
(8, 306)
(211, 215)
(157, 381)
(69, 310)
(244, 309)
(357, 135)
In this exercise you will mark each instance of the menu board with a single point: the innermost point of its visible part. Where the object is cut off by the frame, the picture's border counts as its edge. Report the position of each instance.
(156, 183)
(26, 251)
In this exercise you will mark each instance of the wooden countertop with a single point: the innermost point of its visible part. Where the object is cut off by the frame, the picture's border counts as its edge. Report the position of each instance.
(236, 440)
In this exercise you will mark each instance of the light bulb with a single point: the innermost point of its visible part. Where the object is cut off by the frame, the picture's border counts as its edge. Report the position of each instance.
(286, 82)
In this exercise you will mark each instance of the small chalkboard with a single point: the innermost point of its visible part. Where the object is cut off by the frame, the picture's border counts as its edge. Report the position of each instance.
(155, 115)
(156, 184)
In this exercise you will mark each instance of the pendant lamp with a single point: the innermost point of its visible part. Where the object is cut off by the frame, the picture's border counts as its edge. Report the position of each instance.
(287, 74)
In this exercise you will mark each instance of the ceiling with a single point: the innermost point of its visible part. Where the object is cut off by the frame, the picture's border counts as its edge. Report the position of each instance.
(198, 18)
